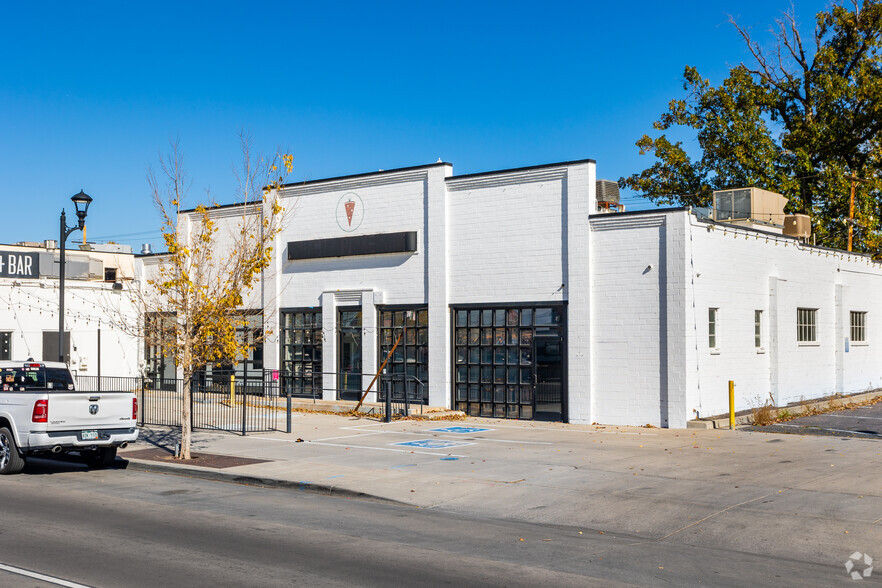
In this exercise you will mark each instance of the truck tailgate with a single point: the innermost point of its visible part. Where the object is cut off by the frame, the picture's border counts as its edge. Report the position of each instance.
(84, 410)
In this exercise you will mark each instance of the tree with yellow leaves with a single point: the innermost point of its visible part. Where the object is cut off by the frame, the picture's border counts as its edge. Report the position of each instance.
(199, 293)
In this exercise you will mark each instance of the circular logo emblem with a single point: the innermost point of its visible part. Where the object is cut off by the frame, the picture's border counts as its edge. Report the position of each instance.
(350, 212)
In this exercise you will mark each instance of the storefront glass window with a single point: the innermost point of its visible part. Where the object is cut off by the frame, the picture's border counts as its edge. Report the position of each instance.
(409, 364)
(302, 352)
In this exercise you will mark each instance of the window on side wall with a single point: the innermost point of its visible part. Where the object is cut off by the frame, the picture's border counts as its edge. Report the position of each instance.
(713, 316)
(806, 325)
(858, 326)
(758, 330)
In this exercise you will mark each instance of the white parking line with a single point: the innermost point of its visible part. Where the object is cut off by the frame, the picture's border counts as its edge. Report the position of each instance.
(828, 429)
(387, 449)
(496, 440)
(443, 436)
(495, 426)
(352, 446)
(43, 577)
(351, 436)
(848, 416)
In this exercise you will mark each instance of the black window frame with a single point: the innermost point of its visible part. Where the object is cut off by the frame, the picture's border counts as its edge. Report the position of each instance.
(481, 380)
(414, 344)
(307, 381)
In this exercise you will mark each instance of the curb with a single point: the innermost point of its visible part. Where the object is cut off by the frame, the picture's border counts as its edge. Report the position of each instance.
(836, 404)
(143, 465)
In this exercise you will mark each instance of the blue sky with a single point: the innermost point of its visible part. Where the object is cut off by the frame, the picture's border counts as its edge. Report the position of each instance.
(91, 92)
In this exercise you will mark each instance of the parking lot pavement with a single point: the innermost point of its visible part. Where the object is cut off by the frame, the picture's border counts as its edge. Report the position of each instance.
(861, 422)
(692, 486)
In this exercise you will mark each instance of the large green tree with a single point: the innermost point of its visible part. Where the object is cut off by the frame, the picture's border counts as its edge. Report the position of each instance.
(799, 119)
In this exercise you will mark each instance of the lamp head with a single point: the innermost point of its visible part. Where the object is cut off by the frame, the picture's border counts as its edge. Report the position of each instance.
(81, 201)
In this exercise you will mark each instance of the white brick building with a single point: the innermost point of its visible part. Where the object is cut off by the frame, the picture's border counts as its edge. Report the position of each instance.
(515, 299)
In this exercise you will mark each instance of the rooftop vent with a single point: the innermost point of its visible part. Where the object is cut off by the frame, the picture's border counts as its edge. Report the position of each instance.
(145, 249)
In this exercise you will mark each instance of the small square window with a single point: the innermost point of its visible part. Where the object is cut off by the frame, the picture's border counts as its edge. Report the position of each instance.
(109, 274)
(858, 326)
(806, 325)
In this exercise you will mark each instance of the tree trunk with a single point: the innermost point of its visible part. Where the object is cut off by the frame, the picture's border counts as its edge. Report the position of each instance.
(185, 415)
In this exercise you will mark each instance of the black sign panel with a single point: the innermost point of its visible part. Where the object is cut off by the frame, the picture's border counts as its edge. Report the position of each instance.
(17, 264)
(404, 242)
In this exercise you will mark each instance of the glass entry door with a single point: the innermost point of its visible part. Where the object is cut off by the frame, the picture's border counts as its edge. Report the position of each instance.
(549, 377)
(349, 359)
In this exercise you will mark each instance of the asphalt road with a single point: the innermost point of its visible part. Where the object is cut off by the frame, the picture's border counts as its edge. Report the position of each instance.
(126, 528)
(864, 422)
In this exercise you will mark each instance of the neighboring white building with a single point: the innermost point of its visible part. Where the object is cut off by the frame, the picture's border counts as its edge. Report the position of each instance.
(96, 277)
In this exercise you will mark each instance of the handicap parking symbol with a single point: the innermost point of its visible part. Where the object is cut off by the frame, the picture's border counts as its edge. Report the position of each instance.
(459, 430)
(431, 444)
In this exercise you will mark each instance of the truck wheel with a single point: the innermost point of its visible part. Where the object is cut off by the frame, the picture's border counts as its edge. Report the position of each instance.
(10, 461)
(102, 457)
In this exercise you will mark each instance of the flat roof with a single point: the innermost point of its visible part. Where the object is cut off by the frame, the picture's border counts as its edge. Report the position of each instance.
(399, 170)
(520, 169)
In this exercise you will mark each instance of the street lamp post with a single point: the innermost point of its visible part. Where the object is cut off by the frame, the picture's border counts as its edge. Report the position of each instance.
(81, 201)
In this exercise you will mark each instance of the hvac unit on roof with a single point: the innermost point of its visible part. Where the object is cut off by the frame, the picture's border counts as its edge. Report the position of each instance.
(753, 206)
(798, 225)
(607, 196)
(607, 191)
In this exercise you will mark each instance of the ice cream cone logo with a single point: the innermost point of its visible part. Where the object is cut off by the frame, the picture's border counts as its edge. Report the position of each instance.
(350, 212)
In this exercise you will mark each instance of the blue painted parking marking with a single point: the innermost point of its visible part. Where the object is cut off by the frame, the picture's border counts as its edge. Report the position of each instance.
(459, 430)
(431, 444)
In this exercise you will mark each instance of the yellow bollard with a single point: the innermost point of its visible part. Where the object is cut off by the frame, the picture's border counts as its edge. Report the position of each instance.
(233, 390)
(731, 405)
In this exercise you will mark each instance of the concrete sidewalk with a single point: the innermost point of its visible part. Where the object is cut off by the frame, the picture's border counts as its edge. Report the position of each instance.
(803, 498)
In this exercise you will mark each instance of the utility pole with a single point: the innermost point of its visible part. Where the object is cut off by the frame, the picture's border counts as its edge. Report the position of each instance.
(853, 179)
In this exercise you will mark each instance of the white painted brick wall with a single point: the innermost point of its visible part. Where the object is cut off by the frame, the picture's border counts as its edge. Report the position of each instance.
(736, 268)
(627, 255)
(437, 269)
(506, 240)
(579, 202)
(650, 353)
(388, 208)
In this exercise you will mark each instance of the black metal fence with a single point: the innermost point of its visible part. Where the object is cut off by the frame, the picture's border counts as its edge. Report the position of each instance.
(404, 393)
(316, 384)
(408, 393)
(248, 405)
(235, 405)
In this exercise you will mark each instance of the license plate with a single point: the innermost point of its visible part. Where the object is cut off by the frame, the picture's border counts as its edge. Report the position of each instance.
(89, 435)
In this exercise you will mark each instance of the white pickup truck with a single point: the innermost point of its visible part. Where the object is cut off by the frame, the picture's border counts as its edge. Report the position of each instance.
(42, 413)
